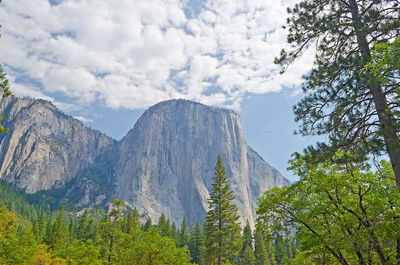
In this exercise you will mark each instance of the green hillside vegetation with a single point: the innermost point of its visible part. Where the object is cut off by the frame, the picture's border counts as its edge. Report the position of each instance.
(31, 235)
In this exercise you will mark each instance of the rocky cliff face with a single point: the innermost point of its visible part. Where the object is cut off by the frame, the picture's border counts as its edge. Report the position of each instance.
(164, 164)
(43, 147)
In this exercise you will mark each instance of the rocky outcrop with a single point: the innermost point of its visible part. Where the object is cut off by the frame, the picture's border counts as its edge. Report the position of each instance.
(45, 148)
(164, 164)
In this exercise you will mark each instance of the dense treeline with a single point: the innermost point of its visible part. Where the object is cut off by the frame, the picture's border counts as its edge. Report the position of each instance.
(116, 238)
(35, 236)
(120, 238)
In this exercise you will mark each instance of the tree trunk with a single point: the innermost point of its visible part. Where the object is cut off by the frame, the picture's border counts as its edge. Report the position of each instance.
(386, 120)
(398, 251)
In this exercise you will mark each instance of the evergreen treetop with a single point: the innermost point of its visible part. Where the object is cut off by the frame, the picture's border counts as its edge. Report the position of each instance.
(222, 229)
(345, 101)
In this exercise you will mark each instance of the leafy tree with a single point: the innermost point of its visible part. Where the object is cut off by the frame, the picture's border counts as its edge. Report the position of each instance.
(14, 248)
(43, 257)
(81, 253)
(348, 104)
(341, 212)
(154, 249)
(222, 230)
(116, 244)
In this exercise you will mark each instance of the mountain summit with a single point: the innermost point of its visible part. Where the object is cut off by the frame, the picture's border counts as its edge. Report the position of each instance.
(164, 164)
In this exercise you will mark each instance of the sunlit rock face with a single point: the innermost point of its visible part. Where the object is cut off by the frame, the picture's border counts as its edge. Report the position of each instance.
(45, 148)
(164, 164)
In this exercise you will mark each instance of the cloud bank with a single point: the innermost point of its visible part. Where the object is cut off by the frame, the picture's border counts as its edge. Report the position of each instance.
(134, 53)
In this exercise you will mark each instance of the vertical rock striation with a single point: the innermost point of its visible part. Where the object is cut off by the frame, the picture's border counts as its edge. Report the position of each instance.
(45, 148)
(166, 162)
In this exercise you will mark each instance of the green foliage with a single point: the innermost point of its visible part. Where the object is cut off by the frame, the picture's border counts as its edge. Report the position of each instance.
(260, 250)
(133, 222)
(19, 202)
(342, 212)
(196, 244)
(152, 248)
(147, 225)
(57, 232)
(116, 239)
(14, 248)
(385, 62)
(183, 234)
(247, 239)
(222, 230)
(165, 226)
(343, 101)
(248, 256)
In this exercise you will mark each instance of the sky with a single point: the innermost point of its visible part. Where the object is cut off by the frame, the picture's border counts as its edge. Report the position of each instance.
(105, 62)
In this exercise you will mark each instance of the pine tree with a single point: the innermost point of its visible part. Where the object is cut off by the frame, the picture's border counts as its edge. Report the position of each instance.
(133, 222)
(281, 251)
(164, 225)
(174, 233)
(197, 255)
(39, 227)
(270, 251)
(222, 230)
(147, 225)
(85, 230)
(260, 250)
(247, 239)
(184, 234)
(345, 101)
(58, 231)
(192, 239)
(248, 257)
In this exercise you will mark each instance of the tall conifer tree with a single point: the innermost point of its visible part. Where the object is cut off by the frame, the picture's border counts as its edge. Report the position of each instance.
(222, 229)
(247, 239)
(345, 101)
(184, 234)
(260, 249)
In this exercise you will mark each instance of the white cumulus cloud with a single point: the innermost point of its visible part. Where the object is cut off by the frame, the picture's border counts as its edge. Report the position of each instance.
(134, 53)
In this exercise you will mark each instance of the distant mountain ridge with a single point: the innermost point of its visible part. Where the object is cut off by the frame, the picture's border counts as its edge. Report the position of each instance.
(164, 164)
